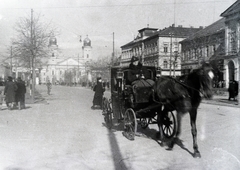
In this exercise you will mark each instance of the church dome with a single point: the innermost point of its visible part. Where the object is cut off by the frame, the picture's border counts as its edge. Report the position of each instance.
(87, 42)
(52, 41)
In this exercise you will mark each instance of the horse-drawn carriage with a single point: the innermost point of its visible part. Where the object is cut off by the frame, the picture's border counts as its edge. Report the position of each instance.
(134, 103)
(140, 104)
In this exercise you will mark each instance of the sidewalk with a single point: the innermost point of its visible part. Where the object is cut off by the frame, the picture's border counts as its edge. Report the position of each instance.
(218, 99)
(221, 99)
(38, 97)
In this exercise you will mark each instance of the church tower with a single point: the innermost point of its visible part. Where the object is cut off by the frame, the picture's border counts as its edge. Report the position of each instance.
(53, 47)
(87, 49)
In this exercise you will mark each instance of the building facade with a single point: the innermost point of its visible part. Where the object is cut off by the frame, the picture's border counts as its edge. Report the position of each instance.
(159, 48)
(219, 44)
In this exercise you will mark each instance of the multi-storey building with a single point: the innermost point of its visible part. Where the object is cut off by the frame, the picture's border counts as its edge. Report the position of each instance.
(219, 44)
(205, 45)
(159, 48)
(232, 42)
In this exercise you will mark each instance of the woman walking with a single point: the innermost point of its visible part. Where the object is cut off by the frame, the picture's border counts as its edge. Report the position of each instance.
(98, 95)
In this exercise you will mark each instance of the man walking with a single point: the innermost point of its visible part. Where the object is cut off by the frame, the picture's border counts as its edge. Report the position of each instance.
(20, 94)
(10, 92)
(49, 86)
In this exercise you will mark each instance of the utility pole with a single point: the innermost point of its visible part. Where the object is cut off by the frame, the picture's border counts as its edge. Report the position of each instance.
(170, 72)
(113, 50)
(32, 84)
(11, 62)
(238, 79)
(78, 71)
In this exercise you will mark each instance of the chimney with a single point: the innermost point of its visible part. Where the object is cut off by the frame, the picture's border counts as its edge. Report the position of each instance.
(201, 27)
(173, 25)
(180, 26)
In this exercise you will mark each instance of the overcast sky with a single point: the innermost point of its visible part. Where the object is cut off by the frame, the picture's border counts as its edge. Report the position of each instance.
(100, 18)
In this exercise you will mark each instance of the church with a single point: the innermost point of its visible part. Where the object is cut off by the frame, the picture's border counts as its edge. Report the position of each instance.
(61, 70)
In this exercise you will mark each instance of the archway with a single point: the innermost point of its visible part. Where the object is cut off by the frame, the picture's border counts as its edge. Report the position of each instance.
(231, 70)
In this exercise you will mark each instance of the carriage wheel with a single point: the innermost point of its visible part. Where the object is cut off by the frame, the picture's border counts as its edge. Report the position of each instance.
(130, 124)
(107, 112)
(169, 125)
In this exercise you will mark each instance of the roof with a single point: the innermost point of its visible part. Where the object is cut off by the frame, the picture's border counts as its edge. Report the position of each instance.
(177, 31)
(214, 28)
(180, 32)
(235, 7)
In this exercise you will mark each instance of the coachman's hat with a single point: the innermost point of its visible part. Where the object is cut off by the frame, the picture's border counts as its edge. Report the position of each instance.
(134, 59)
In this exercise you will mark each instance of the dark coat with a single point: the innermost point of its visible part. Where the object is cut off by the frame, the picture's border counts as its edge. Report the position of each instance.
(98, 95)
(10, 91)
(137, 72)
(233, 89)
(21, 90)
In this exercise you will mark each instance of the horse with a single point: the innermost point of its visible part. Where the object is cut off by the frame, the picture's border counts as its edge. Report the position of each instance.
(184, 95)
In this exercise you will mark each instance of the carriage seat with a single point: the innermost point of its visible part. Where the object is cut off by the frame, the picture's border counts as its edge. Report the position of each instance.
(142, 90)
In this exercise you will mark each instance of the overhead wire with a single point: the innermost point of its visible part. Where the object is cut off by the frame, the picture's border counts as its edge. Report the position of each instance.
(117, 5)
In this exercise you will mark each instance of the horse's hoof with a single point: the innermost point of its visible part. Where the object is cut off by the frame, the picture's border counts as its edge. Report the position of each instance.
(197, 154)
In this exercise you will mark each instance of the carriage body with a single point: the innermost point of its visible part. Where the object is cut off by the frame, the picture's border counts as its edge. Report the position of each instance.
(133, 104)
(125, 95)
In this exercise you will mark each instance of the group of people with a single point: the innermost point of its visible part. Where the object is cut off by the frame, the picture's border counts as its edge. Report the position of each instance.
(14, 92)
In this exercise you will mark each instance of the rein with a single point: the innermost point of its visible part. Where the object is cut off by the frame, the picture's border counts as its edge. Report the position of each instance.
(186, 86)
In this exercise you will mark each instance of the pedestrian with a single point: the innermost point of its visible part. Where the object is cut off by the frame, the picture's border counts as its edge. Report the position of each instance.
(49, 87)
(233, 89)
(20, 94)
(98, 95)
(10, 92)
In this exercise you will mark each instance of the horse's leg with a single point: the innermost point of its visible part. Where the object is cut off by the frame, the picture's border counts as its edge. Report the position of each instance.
(179, 123)
(193, 117)
(160, 115)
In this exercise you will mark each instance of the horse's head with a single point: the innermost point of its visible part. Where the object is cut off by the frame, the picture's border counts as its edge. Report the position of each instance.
(206, 77)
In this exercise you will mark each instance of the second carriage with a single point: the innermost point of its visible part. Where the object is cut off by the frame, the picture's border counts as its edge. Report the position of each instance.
(135, 105)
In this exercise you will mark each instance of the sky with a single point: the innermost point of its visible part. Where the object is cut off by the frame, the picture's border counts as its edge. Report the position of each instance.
(99, 19)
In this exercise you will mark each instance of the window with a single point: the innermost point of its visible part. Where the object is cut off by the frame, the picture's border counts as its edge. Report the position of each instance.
(165, 64)
(52, 72)
(165, 49)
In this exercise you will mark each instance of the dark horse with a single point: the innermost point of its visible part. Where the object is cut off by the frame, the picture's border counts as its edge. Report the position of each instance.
(184, 95)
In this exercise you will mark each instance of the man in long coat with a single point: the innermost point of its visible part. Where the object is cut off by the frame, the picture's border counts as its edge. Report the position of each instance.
(10, 92)
(20, 94)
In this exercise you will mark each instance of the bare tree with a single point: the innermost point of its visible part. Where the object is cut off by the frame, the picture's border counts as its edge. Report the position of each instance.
(30, 46)
(31, 40)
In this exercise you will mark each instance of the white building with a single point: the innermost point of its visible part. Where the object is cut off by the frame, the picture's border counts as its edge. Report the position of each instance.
(59, 69)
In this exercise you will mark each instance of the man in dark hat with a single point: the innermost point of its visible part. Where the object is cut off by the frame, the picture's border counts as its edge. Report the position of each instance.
(98, 95)
(133, 73)
(10, 92)
(20, 93)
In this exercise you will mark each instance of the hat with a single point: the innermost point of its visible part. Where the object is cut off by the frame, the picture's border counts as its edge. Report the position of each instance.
(99, 78)
(134, 59)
